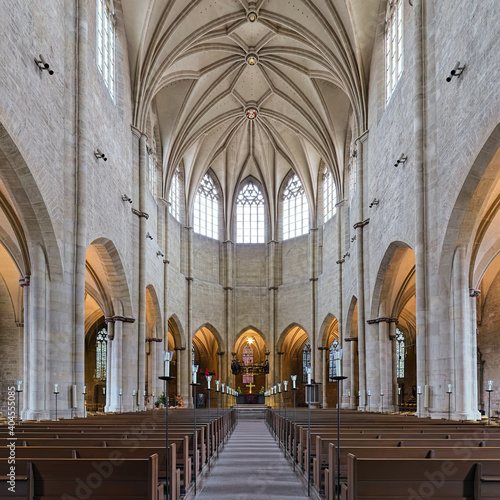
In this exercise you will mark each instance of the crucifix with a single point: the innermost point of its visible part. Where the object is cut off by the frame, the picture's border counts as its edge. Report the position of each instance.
(250, 385)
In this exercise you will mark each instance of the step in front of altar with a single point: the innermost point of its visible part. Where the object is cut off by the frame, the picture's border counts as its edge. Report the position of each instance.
(251, 411)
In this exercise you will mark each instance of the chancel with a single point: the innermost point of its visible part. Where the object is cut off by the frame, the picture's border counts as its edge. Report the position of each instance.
(257, 229)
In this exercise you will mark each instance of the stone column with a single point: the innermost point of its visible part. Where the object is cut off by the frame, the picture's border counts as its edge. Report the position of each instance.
(474, 294)
(187, 389)
(115, 380)
(25, 283)
(315, 354)
(273, 273)
(110, 327)
(40, 390)
(229, 309)
(394, 365)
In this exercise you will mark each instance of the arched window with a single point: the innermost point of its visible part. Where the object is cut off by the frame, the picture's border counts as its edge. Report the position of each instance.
(400, 353)
(329, 196)
(152, 174)
(295, 209)
(393, 46)
(206, 209)
(106, 44)
(174, 196)
(250, 212)
(101, 354)
(247, 360)
(306, 360)
(334, 348)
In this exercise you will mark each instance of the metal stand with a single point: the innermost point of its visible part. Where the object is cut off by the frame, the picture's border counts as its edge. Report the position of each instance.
(382, 397)
(449, 405)
(209, 427)
(84, 404)
(338, 379)
(18, 407)
(195, 440)
(286, 423)
(309, 440)
(294, 430)
(419, 394)
(167, 486)
(489, 391)
(56, 394)
(369, 396)
(121, 396)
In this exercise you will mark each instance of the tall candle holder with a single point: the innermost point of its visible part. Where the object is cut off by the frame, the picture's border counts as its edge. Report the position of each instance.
(399, 399)
(285, 383)
(84, 393)
(419, 394)
(489, 391)
(56, 393)
(382, 398)
(120, 395)
(449, 392)
(167, 485)
(369, 395)
(209, 379)
(217, 386)
(18, 391)
(194, 385)
(338, 379)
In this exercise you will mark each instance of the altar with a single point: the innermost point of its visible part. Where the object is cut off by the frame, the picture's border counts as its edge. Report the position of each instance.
(251, 399)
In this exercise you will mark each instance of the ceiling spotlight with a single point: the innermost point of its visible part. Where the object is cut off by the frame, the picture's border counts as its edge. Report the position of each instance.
(252, 16)
(42, 65)
(456, 71)
(401, 159)
(99, 154)
(252, 59)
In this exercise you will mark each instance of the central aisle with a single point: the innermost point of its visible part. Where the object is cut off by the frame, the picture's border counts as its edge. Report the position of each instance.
(252, 466)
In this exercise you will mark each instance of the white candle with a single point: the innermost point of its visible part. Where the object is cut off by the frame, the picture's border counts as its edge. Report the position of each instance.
(449, 387)
(55, 387)
(121, 392)
(104, 390)
(359, 393)
(348, 394)
(222, 387)
(217, 383)
(154, 395)
(369, 392)
(134, 392)
(209, 378)
(19, 382)
(279, 387)
(195, 371)
(167, 357)
(382, 394)
(490, 385)
(144, 393)
(294, 378)
(309, 378)
(419, 390)
(84, 388)
(286, 385)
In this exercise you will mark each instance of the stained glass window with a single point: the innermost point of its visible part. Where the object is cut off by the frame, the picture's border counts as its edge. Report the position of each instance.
(101, 354)
(393, 46)
(247, 360)
(106, 45)
(306, 359)
(250, 210)
(174, 196)
(206, 208)
(329, 196)
(295, 209)
(400, 352)
(332, 370)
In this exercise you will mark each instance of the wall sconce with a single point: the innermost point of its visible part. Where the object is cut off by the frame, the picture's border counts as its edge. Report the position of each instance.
(353, 239)
(401, 159)
(456, 71)
(346, 255)
(42, 65)
(373, 203)
(159, 253)
(100, 155)
(126, 198)
(148, 236)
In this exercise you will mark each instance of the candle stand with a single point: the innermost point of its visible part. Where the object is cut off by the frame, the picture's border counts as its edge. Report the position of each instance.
(382, 398)
(121, 397)
(84, 393)
(449, 403)
(489, 391)
(56, 394)
(195, 440)
(209, 427)
(294, 444)
(167, 482)
(19, 390)
(369, 406)
(338, 379)
(419, 394)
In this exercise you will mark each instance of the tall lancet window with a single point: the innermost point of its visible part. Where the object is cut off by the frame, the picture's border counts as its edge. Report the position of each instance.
(295, 209)
(332, 370)
(247, 360)
(393, 46)
(174, 196)
(329, 196)
(306, 360)
(206, 209)
(101, 353)
(400, 353)
(250, 211)
(106, 44)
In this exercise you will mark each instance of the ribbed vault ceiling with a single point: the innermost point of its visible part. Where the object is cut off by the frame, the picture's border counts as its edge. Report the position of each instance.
(191, 63)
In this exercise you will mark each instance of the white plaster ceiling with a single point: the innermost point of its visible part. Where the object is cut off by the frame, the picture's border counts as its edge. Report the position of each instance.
(189, 62)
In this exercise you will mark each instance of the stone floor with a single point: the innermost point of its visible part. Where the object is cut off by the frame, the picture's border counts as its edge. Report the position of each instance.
(252, 466)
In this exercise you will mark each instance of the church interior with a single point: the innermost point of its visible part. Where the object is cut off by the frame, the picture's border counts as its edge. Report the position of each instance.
(290, 207)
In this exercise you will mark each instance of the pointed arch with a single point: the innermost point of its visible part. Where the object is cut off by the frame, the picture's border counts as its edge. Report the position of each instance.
(250, 212)
(175, 328)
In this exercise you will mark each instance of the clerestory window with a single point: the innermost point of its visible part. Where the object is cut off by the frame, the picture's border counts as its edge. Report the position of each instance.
(393, 46)
(250, 213)
(295, 209)
(206, 209)
(329, 196)
(106, 44)
(174, 196)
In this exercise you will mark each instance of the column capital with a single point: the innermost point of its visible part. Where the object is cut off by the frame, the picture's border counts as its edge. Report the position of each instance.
(138, 133)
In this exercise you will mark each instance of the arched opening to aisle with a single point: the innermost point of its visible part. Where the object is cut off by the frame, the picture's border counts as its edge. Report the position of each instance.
(154, 346)
(250, 365)
(204, 349)
(330, 348)
(350, 362)
(295, 346)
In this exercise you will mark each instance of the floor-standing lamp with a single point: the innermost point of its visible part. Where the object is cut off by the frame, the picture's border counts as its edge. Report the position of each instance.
(194, 384)
(167, 357)
(449, 392)
(294, 389)
(338, 377)
(489, 391)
